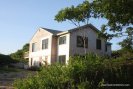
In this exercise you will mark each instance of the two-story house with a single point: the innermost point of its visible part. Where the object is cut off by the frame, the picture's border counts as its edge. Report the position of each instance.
(50, 46)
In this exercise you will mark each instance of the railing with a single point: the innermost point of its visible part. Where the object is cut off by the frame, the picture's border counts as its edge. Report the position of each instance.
(26, 55)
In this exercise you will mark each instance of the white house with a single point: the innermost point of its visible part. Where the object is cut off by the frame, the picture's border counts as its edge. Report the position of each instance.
(50, 46)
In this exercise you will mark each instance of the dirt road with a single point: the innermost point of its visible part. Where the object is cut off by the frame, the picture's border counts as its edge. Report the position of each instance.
(7, 79)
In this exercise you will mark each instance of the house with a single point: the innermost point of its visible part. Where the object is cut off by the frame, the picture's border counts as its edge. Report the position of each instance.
(48, 46)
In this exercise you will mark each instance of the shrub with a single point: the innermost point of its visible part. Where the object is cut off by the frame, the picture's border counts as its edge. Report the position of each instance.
(6, 60)
(88, 72)
(34, 68)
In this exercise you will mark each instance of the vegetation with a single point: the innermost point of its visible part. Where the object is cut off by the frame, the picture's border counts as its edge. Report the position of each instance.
(81, 73)
(6, 60)
(19, 55)
(8, 69)
(118, 12)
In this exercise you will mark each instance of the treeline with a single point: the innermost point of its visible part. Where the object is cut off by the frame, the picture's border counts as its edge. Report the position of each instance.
(18, 56)
(6, 60)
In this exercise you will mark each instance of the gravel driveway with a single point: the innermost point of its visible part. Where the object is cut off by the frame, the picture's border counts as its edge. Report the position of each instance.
(7, 79)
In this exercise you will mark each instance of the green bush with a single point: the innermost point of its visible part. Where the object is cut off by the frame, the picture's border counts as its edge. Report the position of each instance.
(6, 60)
(82, 72)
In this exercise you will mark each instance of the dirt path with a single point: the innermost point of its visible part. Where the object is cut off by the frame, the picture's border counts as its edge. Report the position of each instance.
(7, 79)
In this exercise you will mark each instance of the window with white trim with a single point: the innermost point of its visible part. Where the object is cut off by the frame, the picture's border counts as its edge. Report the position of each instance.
(45, 44)
(62, 40)
(34, 47)
(62, 59)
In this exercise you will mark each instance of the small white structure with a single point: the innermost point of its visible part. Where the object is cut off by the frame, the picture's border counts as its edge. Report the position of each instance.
(49, 46)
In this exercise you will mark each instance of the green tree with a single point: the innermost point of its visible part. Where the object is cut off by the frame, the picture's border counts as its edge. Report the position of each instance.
(6, 60)
(76, 15)
(128, 42)
(119, 14)
(19, 54)
(25, 47)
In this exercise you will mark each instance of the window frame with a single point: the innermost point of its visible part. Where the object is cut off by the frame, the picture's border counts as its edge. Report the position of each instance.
(82, 44)
(61, 40)
(44, 43)
(62, 61)
(34, 49)
(98, 45)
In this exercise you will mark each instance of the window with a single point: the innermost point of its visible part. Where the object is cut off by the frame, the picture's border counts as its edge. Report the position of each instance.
(82, 41)
(62, 59)
(45, 44)
(34, 47)
(62, 40)
(98, 44)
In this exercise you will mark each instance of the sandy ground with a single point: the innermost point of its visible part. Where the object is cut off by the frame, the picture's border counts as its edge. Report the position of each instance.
(7, 79)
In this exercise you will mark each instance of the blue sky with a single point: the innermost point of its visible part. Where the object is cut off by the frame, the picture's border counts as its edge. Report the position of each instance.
(19, 20)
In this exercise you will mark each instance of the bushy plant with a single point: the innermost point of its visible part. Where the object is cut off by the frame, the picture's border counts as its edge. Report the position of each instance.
(82, 72)
(6, 60)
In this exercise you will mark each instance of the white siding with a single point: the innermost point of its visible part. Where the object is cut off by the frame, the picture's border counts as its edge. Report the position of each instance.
(63, 49)
(40, 54)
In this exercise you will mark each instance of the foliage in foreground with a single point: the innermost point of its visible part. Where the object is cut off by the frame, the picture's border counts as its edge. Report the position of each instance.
(83, 72)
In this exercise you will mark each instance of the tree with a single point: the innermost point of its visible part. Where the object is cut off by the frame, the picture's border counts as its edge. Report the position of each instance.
(25, 47)
(6, 60)
(128, 42)
(77, 15)
(119, 14)
(19, 54)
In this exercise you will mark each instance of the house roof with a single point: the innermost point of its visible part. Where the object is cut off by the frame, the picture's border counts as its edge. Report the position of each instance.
(77, 28)
(84, 26)
(57, 32)
(108, 43)
(52, 31)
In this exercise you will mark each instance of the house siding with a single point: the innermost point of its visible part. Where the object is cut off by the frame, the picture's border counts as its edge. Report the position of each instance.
(40, 54)
(63, 49)
(51, 55)
(92, 36)
(54, 49)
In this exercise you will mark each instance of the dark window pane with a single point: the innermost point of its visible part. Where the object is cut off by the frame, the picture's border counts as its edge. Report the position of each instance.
(45, 44)
(98, 44)
(82, 41)
(62, 59)
(62, 40)
(33, 47)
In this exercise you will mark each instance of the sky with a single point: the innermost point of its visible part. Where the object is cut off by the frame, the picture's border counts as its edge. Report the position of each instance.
(20, 19)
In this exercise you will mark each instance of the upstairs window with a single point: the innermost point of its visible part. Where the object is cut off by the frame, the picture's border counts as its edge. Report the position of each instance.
(62, 40)
(82, 41)
(62, 59)
(34, 48)
(45, 44)
(98, 44)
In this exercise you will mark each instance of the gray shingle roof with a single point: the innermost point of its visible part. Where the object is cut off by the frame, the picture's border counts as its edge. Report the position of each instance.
(84, 26)
(52, 31)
